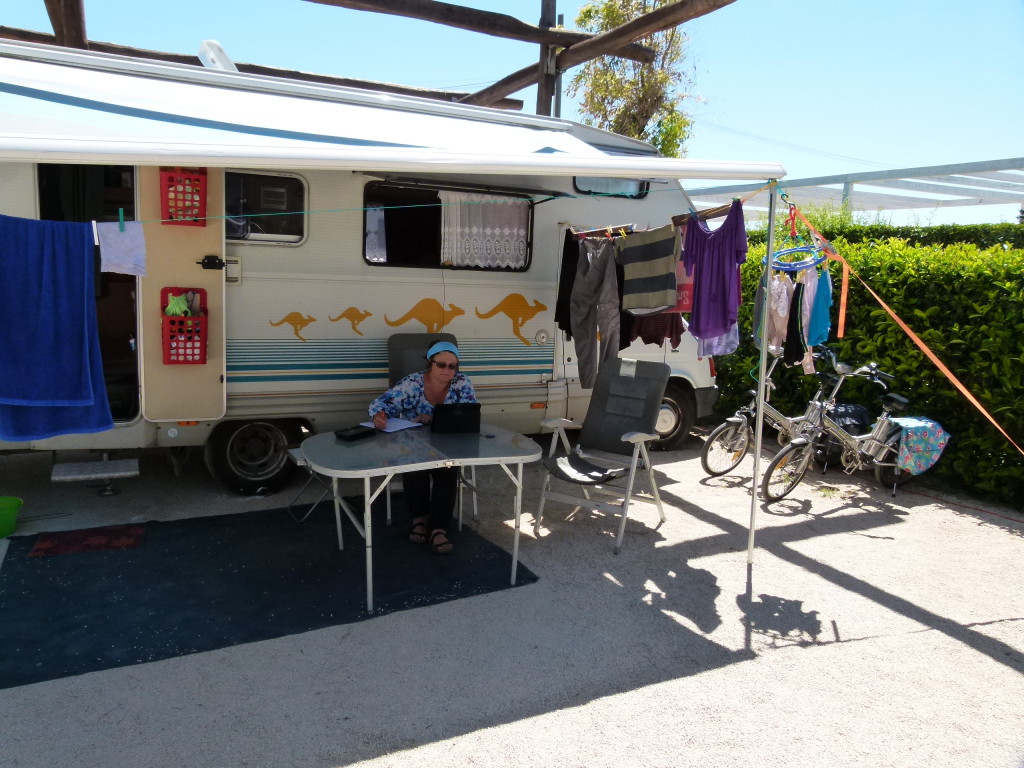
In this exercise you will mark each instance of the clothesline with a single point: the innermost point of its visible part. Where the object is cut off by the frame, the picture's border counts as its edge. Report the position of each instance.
(363, 209)
(716, 212)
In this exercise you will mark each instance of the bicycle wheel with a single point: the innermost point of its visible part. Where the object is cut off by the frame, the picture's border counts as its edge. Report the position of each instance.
(725, 448)
(887, 473)
(786, 470)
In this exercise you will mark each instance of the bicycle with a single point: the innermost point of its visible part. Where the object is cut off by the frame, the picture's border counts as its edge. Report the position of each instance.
(731, 440)
(878, 449)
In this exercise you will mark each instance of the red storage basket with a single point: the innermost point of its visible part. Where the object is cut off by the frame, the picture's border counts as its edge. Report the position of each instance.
(184, 338)
(183, 196)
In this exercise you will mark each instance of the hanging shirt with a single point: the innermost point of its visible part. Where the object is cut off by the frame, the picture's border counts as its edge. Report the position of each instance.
(779, 300)
(714, 259)
(795, 347)
(821, 324)
(648, 260)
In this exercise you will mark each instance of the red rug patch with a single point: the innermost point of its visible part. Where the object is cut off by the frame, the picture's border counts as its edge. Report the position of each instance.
(88, 540)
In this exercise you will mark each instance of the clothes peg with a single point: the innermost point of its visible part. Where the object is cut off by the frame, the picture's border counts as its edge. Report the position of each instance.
(120, 219)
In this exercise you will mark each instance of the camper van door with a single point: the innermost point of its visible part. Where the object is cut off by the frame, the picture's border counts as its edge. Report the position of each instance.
(178, 387)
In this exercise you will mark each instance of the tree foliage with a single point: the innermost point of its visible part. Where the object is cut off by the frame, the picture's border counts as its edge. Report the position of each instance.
(643, 101)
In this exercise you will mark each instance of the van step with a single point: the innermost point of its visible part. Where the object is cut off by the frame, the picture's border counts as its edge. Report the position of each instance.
(73, 471)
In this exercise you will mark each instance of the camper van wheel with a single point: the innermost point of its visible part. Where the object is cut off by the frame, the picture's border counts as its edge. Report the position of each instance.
(251, 457)
(676, 417)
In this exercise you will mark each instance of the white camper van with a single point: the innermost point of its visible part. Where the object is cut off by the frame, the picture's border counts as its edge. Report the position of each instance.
(304, 225)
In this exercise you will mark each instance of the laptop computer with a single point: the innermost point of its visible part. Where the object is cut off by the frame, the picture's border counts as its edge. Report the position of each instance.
(456, 418)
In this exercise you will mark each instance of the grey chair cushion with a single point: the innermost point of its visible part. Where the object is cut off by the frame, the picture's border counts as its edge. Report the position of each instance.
(576, 469)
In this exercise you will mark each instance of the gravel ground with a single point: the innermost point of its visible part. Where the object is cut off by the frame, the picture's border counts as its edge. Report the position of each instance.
(868, 631)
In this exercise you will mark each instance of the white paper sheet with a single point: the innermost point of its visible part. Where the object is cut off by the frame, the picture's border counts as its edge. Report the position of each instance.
(394, 425)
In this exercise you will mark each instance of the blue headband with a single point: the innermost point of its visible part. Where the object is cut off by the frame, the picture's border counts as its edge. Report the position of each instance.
(442, 346)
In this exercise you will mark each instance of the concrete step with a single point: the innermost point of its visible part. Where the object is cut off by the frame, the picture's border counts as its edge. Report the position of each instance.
(75, 471)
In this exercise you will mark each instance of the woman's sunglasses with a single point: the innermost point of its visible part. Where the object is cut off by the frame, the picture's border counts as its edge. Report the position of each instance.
(451, 366)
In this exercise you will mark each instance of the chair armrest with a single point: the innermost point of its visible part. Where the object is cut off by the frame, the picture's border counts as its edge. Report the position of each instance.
(560, 422)
(638, 437)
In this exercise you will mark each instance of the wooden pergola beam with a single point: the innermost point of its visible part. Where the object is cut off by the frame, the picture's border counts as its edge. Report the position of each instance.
(600, 45)
(488, 22)
(67, 17)
(29, 36)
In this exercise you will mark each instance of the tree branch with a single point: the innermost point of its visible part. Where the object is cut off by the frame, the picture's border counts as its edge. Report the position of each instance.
(487, 22)
(599, 45)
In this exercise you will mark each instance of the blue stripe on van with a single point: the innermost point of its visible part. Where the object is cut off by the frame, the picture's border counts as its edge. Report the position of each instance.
(268, 360)
(195, 122)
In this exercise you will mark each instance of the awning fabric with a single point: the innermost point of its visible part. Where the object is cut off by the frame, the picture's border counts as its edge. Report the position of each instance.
(63, 106)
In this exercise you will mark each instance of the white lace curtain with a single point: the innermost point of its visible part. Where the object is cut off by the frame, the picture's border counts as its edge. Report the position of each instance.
(483, 230)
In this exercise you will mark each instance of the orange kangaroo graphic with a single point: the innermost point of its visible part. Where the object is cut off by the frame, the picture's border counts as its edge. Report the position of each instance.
(518, 310)
(429, 312)
(297, 321)
(354, 315)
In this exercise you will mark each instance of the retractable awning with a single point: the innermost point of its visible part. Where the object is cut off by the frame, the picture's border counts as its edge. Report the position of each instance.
(58, 105)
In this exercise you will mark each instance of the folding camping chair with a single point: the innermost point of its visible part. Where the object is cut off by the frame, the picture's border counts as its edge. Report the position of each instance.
(621, 418)
(406, 353)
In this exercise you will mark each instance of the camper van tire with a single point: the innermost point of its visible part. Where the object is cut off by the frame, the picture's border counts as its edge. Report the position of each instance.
(676, 417)
(251, 457)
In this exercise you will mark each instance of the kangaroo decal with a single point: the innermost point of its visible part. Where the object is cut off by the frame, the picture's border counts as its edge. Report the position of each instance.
(518, 310)
(297, 321)
(431, 313)
(354, 315)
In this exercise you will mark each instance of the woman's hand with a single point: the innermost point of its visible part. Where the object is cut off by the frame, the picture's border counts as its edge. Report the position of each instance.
(380, 420)
(423, 418)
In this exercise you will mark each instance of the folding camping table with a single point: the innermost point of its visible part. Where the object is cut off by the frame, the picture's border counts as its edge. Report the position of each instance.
(385, 455)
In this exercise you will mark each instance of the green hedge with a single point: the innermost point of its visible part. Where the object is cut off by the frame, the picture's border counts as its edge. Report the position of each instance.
(967, 304)
(981, 235)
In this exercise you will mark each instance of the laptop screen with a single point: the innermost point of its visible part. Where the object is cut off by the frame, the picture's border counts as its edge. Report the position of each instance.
(456, 418)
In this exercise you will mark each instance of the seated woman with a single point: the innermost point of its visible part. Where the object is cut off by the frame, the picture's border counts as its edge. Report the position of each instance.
(430, 493)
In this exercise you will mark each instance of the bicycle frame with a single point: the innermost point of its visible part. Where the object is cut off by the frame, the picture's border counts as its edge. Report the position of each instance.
(859, 451)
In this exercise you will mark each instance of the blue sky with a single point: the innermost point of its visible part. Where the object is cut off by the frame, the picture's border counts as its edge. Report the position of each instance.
(822, 86)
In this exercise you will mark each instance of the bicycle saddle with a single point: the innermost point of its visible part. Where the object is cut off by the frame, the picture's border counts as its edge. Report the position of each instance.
(895, 402)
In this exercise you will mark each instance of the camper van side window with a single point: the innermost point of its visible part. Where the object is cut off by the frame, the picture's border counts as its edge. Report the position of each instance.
(263, 207)
(634, 189)
(413, 226)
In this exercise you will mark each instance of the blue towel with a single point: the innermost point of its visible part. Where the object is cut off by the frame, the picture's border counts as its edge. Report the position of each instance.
(51, 368)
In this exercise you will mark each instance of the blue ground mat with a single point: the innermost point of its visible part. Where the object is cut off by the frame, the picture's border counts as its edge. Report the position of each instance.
(206, 583)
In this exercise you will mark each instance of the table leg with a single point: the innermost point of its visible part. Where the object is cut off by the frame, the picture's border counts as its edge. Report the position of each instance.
(367, 528)
(519, 510)
(337, 511)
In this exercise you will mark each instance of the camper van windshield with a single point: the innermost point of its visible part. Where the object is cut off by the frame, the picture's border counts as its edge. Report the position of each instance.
(407, 226)
(595, 185)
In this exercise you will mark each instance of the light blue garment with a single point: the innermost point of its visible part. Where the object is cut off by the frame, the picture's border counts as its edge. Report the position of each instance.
(725, 344)
(820, 324)
(123, 252)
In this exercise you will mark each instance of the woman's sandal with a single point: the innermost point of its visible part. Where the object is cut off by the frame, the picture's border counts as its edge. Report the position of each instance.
(441, 547)
(418, 532)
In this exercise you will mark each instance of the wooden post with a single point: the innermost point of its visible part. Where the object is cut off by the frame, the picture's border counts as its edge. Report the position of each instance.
(546, 66)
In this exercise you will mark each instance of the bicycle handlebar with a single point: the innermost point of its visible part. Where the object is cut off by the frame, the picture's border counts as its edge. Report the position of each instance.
(871, 373)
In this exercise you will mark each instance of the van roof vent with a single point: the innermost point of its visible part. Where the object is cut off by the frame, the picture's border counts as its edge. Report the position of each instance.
(213, 57)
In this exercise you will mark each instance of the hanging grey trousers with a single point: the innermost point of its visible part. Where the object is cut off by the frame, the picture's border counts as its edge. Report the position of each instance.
(594, 307)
